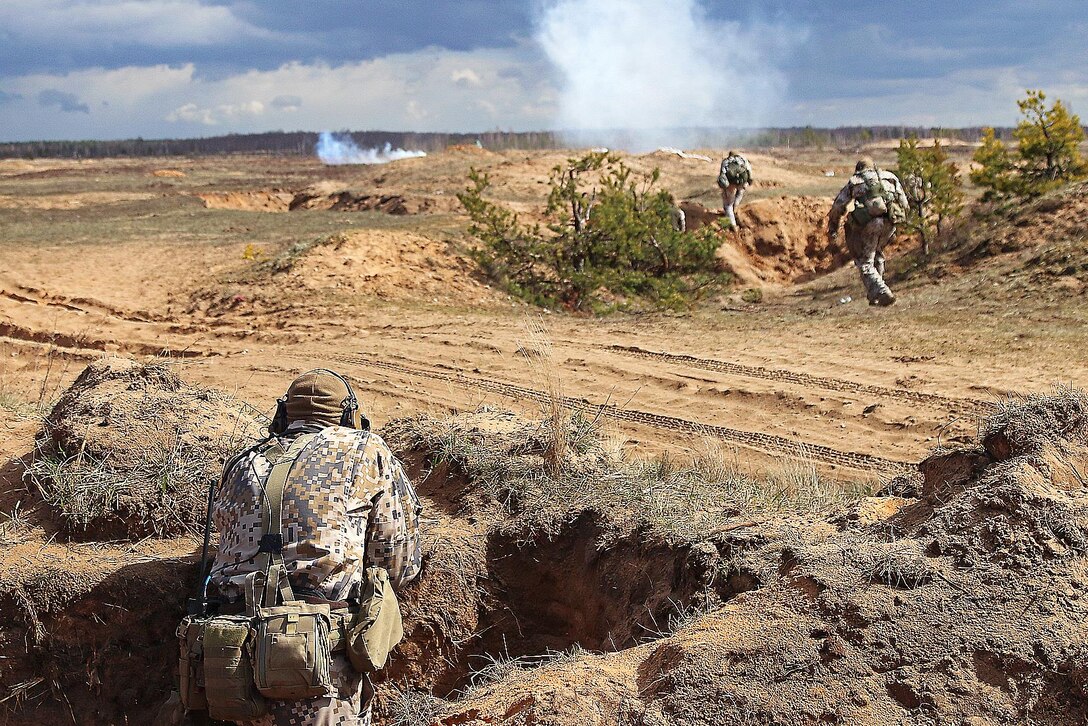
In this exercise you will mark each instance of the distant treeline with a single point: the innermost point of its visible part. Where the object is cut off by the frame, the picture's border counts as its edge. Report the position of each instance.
(302, 143)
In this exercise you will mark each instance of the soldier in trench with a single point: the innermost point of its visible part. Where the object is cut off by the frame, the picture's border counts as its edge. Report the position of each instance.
(347, 506)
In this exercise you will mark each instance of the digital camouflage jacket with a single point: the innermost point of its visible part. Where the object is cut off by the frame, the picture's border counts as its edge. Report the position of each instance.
(347, 505)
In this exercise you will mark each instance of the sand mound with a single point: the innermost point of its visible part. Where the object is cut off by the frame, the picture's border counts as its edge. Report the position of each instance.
(326, 196)
(272, 200)
(392, 265)
(168, 173)
(130, 449)
(781, 241)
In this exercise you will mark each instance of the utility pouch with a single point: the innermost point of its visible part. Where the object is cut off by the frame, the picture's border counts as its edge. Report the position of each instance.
(291, 652)
(876, 206)
(378, 627)
(228, 670)
(191, 664)
(860, 215)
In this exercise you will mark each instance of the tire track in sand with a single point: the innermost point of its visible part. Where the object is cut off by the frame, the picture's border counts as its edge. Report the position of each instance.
(768, 443)
(933, 400)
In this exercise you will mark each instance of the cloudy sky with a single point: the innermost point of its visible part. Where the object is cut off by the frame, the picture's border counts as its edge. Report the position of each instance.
(174, 68)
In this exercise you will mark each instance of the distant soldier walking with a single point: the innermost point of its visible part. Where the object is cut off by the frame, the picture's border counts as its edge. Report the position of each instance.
(879, 204)
(734, 177)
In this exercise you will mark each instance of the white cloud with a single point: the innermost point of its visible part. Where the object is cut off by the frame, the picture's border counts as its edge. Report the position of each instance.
(410, 91)
(465, 77)
(222, 113)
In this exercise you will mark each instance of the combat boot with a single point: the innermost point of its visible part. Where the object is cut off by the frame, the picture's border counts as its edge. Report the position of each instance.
(884, 299)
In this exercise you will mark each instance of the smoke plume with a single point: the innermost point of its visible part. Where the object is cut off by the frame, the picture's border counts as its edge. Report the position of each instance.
(343, 150)
(647, 73)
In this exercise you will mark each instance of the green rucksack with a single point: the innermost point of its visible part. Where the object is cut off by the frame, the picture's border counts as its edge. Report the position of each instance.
(734, 171)
(876, 200)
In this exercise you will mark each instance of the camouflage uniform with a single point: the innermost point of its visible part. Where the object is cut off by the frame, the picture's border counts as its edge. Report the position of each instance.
(732, 194)
(347, 505)
(866, 243)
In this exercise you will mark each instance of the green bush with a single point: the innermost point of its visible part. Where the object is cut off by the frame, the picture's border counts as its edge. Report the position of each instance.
(753, 295)
(1047, 154)
(609, 244)
(933, 186)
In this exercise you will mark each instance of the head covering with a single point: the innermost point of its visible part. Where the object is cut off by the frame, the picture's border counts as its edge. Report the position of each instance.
(317, 396)
(864, 163)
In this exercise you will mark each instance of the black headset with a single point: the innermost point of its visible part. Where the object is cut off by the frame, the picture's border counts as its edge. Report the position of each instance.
(349, 406)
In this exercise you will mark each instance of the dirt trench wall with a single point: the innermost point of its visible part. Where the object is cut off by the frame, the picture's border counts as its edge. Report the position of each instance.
(961, 601)
(101, 656)
(781, 240)
(498, 596)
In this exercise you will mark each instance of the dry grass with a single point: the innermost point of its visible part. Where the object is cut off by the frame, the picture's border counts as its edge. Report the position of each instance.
(545, 371)
(129, 450)
(498, 666)
(409, 707)
(685, 499)
(157, 494)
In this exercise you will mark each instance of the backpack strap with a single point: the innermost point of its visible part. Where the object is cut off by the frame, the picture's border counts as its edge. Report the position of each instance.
(270, 553)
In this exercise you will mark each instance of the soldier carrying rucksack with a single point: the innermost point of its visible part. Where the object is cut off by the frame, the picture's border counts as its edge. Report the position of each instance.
(734, 176)
(880, 203)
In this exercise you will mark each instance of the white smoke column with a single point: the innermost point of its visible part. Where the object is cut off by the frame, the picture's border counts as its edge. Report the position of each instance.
(332, 150)
(634, 73)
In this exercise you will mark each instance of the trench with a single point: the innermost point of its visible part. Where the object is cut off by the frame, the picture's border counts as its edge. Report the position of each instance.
(532, 597)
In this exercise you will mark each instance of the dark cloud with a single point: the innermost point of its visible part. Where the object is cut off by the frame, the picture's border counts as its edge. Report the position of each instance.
(266, 34)
(67, 102)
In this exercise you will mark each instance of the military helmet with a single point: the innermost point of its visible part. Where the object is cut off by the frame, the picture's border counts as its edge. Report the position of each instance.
(319, 396)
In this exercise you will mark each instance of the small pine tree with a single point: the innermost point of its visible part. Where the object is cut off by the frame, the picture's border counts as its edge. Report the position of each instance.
(994, 169)
(933, 185)
(1047, 154)
(1048, 138)
(610, 237)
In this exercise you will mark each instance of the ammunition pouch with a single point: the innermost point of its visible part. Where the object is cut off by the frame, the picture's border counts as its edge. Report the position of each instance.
(378, 628)
(191, 664)
(216, 670)
(292, 655)
(229, 683)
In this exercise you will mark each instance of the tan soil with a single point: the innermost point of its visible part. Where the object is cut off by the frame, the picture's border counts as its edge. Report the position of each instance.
(423, 335)
(72, 201)
(388, 265)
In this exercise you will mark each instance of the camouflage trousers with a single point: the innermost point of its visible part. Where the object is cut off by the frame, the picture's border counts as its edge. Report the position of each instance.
(731, 197)
(350, 706)
(866, 245)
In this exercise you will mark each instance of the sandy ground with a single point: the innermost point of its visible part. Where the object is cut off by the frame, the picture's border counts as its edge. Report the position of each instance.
(205, 263)
(136, 262)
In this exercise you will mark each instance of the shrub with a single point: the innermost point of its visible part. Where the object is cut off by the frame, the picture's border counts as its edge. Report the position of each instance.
(605, 245)
(933, 187)
(1047, 155)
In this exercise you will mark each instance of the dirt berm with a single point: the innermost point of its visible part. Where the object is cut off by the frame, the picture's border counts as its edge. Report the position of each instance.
(129, 450)
(564, 584)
